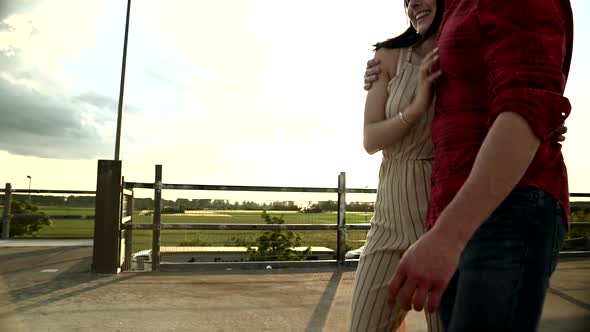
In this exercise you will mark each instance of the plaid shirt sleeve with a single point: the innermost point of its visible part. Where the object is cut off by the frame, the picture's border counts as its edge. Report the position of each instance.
(525, 50)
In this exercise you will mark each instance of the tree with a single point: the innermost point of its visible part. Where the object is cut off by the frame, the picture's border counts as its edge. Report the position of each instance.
(172, 210)
(143, 203)
(219, 204)
(277, 245)
(314, 208)
(26, 226)
(360, 207)
(326, 206)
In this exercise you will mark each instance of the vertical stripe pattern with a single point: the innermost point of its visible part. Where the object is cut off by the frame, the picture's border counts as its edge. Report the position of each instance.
(401, 206)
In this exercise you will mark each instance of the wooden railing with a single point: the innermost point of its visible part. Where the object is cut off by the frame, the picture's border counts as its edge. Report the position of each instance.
(340, 226)
(8, 196)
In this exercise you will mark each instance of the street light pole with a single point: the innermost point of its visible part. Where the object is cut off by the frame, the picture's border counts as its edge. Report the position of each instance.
(122, 86)
(28, 176)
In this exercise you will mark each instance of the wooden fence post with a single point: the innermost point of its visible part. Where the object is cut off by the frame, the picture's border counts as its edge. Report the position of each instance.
(6, 214)
(129, 234)
(157, 219)
(341, 241)
(107, 232)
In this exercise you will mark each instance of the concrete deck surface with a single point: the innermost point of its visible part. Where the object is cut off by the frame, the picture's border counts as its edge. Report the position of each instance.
(52, 289)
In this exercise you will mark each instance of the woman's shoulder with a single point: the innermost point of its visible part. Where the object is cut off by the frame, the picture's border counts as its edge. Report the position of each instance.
(388, 54)
(389, 58)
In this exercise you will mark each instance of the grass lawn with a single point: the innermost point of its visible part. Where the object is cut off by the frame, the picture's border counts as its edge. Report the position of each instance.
(143, 239)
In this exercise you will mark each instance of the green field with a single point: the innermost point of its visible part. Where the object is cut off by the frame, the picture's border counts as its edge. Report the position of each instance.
(74, 228)
(252, 217)
(80, 228)
(143, 239)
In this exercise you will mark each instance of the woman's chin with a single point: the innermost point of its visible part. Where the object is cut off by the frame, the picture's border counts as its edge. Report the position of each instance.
(423, 28)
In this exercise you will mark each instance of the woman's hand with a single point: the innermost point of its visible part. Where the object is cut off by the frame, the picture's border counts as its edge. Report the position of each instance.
(426, 83)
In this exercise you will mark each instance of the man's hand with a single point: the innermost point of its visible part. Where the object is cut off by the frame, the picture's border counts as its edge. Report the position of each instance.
(425, 271)
(372, 73)
(561, 133)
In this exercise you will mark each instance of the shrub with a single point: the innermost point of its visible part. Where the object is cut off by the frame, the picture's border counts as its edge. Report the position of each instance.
(20, 226)
(277, 245)
(196, 242)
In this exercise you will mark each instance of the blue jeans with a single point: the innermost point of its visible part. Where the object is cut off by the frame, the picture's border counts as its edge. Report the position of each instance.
(504, 271)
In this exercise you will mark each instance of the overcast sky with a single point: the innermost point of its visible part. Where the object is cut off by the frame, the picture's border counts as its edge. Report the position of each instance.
(237, 92)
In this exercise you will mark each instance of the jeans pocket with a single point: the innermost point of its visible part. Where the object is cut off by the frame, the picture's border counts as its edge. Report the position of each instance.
(522, 204)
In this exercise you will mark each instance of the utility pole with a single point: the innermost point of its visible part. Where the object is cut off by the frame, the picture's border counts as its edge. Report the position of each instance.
(122, 86)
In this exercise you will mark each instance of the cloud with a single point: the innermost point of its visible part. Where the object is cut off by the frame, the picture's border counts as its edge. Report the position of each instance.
(43, 35)
(104, 102)
(8, 8)
(6, 27)
(42, 113)
(44, 126)
(98, 100)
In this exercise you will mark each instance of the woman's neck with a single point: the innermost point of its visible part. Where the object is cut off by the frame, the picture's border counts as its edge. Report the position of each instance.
(425, 47)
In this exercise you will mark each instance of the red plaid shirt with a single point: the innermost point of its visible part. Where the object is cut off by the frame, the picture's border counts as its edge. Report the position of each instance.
(500, 56)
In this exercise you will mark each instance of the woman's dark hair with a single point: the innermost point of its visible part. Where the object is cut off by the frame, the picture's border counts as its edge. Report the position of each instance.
(411, 36)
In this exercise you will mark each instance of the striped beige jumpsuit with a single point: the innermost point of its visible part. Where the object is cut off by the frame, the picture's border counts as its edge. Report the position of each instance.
(400, 210)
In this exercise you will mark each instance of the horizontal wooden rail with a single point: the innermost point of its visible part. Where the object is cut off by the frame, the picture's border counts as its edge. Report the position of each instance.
(143, 185)
(360, 191)
(266, 227)
(238, 227)
(138, 185)
(54, 191)
(52, 216)
(352, 227)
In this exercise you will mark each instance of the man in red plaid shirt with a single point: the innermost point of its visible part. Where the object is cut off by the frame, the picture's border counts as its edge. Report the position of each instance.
(500, 202)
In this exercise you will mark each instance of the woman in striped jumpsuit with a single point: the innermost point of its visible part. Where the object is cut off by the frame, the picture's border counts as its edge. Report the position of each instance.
(398, 112)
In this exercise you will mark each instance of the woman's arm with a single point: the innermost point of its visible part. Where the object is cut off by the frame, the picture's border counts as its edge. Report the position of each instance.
(380, 132)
